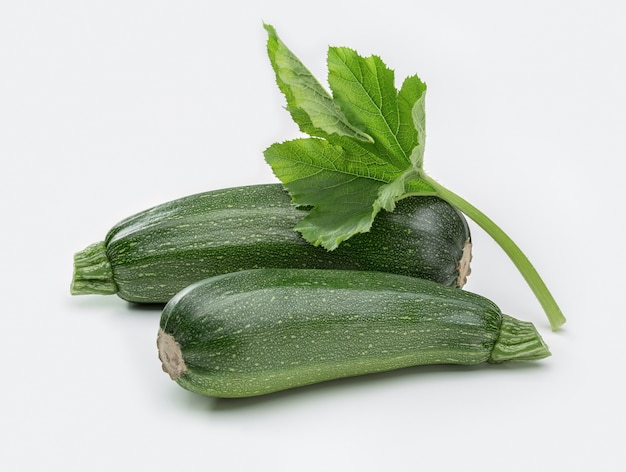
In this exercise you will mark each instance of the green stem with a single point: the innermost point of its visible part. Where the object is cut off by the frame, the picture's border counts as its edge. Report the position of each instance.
(92, 271)
(530, 274)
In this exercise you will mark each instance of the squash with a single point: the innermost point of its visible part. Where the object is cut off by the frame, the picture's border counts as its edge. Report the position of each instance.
(259, 331)
(149, 257)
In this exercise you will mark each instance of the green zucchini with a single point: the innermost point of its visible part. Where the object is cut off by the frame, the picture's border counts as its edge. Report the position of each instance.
(152, 255)
(259, 331)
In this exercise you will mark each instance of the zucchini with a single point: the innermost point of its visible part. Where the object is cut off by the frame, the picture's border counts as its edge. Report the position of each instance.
(154, 254)
(259, 331)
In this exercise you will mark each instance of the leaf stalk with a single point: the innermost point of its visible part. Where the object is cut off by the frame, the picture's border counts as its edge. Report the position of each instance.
(523, 264)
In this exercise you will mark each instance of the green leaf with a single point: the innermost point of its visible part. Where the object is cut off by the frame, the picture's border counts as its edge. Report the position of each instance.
(311, 107)
(364, 89)
(345, 189)
(367, 151)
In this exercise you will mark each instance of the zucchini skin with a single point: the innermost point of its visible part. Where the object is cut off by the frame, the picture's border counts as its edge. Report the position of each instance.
(149, 257)
(259, 331)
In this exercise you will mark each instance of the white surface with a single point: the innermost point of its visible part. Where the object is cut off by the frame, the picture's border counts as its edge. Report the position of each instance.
(107, 108)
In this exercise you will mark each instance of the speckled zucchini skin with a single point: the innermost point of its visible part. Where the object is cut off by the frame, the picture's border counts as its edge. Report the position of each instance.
(260, 331)
(158, 252)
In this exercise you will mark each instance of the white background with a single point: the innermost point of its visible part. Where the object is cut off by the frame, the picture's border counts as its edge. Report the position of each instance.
(109, 107)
